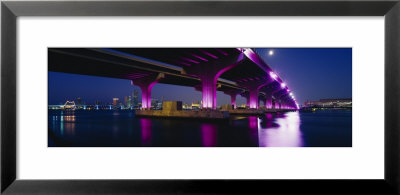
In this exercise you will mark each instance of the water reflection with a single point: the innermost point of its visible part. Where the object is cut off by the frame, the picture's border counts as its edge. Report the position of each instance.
(253, 125)
(122, 128)
(65, 123)
(283, 131)
(209, 135)
(145, 125)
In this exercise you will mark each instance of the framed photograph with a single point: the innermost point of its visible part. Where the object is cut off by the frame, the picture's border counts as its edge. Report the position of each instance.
(221, 97)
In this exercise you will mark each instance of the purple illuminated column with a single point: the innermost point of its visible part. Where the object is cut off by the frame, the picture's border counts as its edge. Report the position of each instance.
(209, 72)
(233, 93)
(146, 84)
(253, 88)
(253, 97)
(209, 90)
(233, 100)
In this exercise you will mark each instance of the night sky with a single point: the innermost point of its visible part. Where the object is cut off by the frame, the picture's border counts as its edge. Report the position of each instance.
(310, 73)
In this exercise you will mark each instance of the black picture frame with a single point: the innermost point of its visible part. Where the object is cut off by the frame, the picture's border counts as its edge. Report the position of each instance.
(10, 10)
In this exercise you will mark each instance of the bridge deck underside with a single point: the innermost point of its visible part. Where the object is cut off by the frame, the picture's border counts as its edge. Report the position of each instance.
(86, 62)
(134, 63)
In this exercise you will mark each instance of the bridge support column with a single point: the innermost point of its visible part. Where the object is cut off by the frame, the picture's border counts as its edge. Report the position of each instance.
(254, 89)
(253, 86)
(233, 100)
(253, 98)
(146, 84)
(233, 94)
(208, 73)
(209, 90)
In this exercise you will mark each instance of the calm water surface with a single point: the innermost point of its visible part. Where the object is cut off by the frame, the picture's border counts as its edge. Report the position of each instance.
(107, 128)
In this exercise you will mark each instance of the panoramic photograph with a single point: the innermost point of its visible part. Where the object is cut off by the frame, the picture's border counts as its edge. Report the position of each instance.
(200, 97)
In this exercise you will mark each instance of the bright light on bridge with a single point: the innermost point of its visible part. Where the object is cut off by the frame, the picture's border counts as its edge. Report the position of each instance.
(273, 75)
(283, 85)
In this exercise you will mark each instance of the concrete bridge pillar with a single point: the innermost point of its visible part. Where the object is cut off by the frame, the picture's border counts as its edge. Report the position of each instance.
(145, 84)
(209, 72)
(254, 89)
(253, 85)
(270, 90)
(279, 97)
(233, 94)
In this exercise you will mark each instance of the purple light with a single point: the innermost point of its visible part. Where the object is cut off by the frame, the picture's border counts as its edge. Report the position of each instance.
(190, 60)
(209, 84)
(220, 51)
(146, 128)
(201, 58)
(283, 85)
(233, 100)
(186, 64)
(209, 54)
(145, 87)
(209, 135)
(253, 122)
(253, 99)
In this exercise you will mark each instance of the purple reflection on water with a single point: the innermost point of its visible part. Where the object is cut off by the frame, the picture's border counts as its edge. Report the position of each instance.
(285, 133)
(253, 122)
(145, 125)
(253, 125)
(209, 135)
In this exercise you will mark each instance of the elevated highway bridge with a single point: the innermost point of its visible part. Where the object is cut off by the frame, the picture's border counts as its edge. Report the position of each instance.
(234, 71)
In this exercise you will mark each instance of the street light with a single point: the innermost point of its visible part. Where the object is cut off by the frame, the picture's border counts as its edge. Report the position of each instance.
(273, 75)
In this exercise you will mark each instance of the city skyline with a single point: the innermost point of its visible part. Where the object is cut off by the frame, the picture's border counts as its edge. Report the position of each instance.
(311, 73)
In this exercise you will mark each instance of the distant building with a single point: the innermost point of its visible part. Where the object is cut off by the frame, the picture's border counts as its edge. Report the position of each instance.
(186, 106)
(115, 101)
(135, 98)
(154, 103)
(78, 101)
(330, 103)
(128, 101)
(195, 105)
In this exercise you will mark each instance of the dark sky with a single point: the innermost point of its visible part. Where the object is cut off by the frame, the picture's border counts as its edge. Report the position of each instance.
(311, 74)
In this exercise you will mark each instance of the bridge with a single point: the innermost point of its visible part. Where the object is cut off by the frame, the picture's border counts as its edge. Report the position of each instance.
(234, 71)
